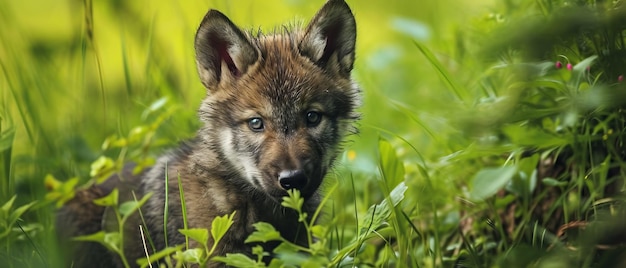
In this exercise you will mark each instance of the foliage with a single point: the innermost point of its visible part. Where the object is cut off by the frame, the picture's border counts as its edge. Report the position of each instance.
(490, 137)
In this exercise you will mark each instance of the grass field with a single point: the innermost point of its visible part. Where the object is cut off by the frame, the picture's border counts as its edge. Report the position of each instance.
(492, 134)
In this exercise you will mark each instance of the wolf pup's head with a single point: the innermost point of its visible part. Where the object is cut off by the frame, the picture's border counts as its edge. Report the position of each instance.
(278, 105)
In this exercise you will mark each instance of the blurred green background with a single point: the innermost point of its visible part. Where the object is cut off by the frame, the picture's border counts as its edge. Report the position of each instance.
(463, 101)
(75, 72)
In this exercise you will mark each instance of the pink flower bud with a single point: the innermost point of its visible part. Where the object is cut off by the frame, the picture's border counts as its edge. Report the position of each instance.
(620, 78)
(570, 66)
(558, 65)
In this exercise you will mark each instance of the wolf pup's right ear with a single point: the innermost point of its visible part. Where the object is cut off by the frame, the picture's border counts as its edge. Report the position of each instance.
(222, 50)
(330, 37)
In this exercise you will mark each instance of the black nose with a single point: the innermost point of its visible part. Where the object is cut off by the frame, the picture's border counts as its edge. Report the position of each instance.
(292, 179)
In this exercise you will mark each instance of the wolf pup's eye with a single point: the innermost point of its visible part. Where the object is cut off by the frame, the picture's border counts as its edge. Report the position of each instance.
(256, 124)
(313, 118)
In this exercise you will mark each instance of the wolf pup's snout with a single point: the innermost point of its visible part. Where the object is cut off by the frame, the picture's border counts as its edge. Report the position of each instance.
(292, 179)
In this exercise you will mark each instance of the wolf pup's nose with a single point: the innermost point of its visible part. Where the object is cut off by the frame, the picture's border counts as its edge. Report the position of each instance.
(292, 179)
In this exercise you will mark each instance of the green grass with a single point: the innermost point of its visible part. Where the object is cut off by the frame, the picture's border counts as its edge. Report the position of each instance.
(498, 158)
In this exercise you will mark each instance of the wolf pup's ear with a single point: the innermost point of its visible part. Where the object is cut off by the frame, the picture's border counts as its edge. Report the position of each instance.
(222, 50)
(330, 37)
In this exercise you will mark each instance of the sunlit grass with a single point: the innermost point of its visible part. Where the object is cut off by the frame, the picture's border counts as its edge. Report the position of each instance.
(507, 158)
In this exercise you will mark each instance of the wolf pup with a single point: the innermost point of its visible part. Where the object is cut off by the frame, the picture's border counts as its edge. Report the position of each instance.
(276, 111)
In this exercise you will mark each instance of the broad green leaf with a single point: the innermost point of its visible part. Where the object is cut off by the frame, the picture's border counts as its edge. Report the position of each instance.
(192, 255)
(285, 249)
(237, 260)
(95, 237)
(391, 167)
(109, 240)
(113, 240)
(264, 232)
(109, 200)
(318, 231)
(377, 214)
(489, 181)
(220, 226)
(200, 235)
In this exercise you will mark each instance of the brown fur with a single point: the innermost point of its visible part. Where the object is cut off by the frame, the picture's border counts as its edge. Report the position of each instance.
(297, 84)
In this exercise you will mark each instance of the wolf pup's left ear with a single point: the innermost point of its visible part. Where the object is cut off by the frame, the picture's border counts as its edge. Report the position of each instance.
(330, 37)
(222, 50)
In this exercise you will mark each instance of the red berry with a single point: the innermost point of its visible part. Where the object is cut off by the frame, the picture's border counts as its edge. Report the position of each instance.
(620, 78)
(558, 65)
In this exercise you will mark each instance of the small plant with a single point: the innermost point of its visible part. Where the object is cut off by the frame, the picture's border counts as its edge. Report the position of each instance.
(114, 241)
(10, 218)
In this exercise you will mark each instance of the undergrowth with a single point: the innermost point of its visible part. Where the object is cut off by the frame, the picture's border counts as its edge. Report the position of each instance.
(491, 138)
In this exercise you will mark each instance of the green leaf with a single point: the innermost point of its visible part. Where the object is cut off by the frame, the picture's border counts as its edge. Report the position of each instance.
(377, 214)
(192, 255)
(109, 240)
(459, 91)
(391, 167)
(128, 208)
(276, 263)
(7, 206)
(294, 200)
(264, 232)
(489, 181)
(18, 212)
(200, 235)
(553, 182)
(237, 260)
(95, 237)
(286, 248)
(58, 191)
(220, 226)
(137, 133)
(102, 168)
(259, 251)
(113, 240)
(318, 231)
(109, 200)
(580, 69)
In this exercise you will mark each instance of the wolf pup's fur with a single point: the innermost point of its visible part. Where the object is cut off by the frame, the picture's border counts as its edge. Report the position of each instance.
(276, 110)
